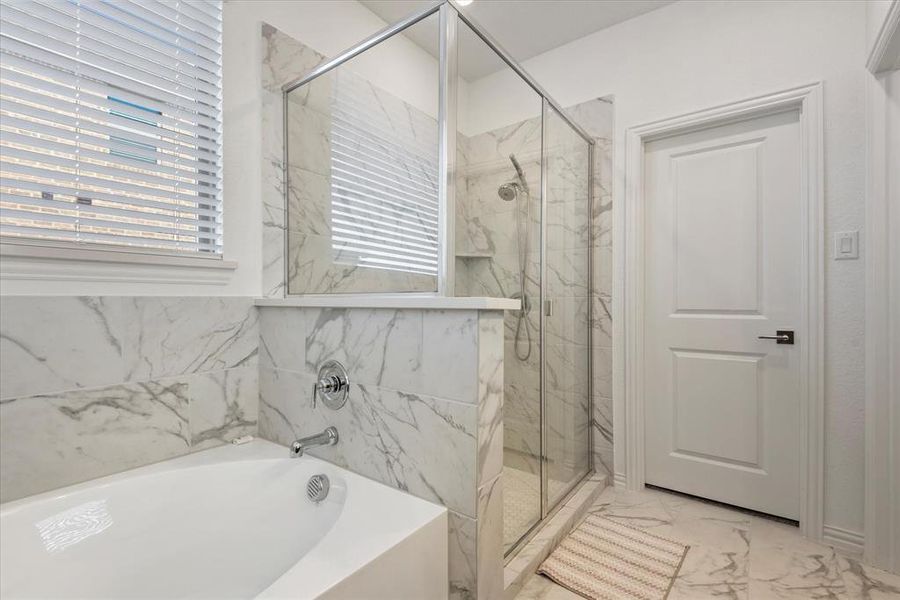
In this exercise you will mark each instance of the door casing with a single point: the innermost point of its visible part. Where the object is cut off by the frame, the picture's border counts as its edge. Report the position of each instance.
(808, 99)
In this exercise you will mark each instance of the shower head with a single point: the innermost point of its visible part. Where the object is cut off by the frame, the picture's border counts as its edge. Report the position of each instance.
(508, 191)
(519, 172)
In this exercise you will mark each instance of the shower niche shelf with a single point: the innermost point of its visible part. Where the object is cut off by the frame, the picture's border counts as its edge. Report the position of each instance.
(468, 255)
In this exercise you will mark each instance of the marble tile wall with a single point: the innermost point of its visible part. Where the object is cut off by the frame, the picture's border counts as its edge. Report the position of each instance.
(486, 244)
(566, 337)
(284, 59)
(488, 248)
(395, 131)
(424, 413)
(96, 385)
(596, 117)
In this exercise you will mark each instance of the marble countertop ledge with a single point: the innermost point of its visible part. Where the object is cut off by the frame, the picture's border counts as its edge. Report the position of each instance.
(392, 301)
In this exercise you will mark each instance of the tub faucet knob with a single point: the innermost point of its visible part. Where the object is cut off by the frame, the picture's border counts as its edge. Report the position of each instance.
(333, 385)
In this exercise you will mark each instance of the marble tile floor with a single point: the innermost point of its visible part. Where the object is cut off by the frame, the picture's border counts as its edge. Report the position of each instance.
(734, 555)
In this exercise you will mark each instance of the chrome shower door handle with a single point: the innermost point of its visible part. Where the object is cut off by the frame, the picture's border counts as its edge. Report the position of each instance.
(782, 336)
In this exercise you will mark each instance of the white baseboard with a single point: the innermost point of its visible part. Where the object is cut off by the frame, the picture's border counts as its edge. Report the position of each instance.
(848, 542)
(619, 480)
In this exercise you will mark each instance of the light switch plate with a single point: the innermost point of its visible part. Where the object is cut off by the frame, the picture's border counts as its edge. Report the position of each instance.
(846, 245)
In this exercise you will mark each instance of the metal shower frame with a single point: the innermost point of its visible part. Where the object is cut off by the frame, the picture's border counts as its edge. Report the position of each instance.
(449, 14)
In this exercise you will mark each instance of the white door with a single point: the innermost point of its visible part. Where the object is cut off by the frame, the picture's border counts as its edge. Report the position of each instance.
(723, 256)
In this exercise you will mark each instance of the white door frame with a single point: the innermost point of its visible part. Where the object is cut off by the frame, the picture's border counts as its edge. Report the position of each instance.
(808, 99)
(882, 517)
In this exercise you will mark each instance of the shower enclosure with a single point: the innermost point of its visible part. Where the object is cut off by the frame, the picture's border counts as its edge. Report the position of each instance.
(425, 160)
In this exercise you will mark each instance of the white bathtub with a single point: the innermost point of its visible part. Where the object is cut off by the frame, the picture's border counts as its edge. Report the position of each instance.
(233, 522)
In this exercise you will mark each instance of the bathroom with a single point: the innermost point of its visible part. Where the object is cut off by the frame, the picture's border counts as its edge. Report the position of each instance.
(413, 299)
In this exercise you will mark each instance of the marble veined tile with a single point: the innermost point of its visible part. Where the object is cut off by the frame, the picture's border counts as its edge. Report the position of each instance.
(309, 201)
(868, 583)
(379, 347)
(569, 322)
(223, 406)
(309, 150)
(785, 565)
(57, 343)
(638, 509)
(274, 211)
(717, 564)
(601, 320)
(490, 395)
(450, 354)
(283, 398)
(542, 588)
(315, 266)
(284, 58)
(417, 443)
(462, 556)
(273, 265)
(165, 337)
(282, 337)
(49, 441)
(735, 555)
(490, 539)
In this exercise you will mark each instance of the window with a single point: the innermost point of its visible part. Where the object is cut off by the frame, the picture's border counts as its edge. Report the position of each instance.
(110, 123)
(384, 174)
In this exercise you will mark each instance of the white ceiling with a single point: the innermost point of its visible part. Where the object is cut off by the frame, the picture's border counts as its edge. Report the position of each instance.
(525, 28)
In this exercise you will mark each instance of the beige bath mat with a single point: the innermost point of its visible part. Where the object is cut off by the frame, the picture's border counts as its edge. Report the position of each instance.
(605, 560)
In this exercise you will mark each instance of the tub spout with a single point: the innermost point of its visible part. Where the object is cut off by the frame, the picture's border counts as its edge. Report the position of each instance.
(329, 437)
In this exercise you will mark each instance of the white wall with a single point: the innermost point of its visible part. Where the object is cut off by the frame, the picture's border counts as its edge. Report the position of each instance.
(893, 158)
(694, 55)
(882, 300)
(876, 14)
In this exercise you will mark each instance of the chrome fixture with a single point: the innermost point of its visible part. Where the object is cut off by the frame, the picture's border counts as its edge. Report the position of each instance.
(329, 437)
(333, 385)
(509, 192)
(317, 488)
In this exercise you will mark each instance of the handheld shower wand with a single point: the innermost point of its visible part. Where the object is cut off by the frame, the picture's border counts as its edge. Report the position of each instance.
(509, 191)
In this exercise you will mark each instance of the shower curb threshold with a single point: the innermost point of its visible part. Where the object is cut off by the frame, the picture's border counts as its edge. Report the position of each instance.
(526, 561)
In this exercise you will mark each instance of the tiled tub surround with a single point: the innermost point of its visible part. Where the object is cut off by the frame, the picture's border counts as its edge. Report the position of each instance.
(485, 234)
(96, 385)
(424, 413)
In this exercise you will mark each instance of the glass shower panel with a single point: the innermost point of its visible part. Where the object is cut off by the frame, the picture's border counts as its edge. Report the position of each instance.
(498, 249)
(566, 289)
(362, 172)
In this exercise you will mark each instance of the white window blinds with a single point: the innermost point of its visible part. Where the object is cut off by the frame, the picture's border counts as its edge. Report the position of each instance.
(384, 173)
(110, 122)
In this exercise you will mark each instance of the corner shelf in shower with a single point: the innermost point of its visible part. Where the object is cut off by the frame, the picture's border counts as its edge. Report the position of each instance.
(468, 255)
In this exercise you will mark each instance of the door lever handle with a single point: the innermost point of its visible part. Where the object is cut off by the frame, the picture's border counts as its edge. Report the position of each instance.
(782, 336)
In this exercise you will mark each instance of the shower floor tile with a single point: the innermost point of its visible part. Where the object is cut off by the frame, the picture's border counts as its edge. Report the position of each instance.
(522, 502)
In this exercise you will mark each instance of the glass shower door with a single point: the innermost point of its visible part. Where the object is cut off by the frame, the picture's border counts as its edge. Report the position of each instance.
(498, 252)
(566, 277)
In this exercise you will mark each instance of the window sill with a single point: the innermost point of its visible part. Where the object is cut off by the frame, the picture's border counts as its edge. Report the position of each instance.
(51, 261)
